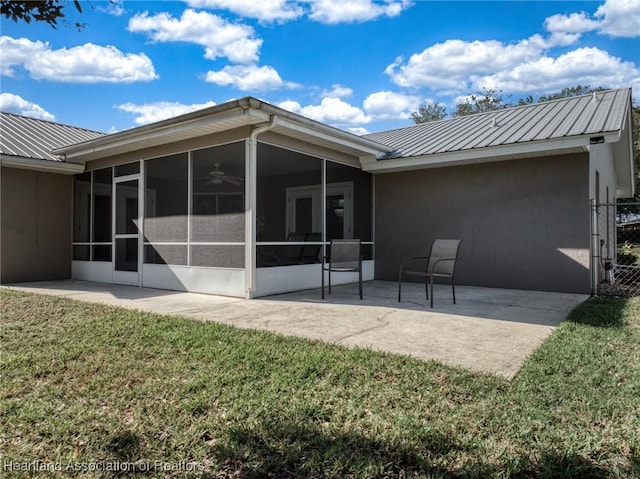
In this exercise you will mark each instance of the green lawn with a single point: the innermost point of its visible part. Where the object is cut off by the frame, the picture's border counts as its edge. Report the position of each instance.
(87, 386)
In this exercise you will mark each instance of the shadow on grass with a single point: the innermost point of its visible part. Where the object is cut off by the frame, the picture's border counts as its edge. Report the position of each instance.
(557, 465)
(294, 451)
(124, 449)
(600, 312)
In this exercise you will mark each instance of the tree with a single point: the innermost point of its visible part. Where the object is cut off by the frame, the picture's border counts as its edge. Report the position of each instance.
(486, 100)
(49, 11)
(429, 112)
(569, 92)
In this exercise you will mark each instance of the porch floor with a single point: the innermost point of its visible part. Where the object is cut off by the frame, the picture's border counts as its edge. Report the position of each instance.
(488, 330)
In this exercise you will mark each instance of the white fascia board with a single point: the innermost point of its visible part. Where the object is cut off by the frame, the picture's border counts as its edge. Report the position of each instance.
(48, 166)
(363, 145)
(483, 155)
(627, 185)
(104, 144)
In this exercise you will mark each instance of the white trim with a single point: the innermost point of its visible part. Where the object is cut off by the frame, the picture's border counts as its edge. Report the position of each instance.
(294, 193)
(285, 279)
(246, 111)
(485, 154)
(363, 146)
(251, 186)
(133, 278)
(98, 271)
(144, 136)
(223, 281)
(189, 202)
(120, 179)
(49, 166)
(142, 188)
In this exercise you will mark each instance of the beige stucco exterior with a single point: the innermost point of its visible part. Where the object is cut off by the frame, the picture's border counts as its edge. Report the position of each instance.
(36, 225)
(524, 223)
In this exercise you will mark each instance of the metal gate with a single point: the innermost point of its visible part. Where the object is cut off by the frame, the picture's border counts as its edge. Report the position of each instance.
(615, 249)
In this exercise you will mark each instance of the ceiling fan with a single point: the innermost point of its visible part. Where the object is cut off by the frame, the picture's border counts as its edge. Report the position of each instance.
(217, 177)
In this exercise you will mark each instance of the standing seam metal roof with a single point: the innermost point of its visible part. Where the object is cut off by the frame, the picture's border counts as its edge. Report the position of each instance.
(26, 137)
(568, 117)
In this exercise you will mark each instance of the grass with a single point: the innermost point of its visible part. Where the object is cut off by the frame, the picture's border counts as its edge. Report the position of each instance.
(87, 386)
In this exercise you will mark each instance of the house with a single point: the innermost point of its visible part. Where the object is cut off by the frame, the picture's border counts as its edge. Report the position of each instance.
(35, 198)
(242, 198)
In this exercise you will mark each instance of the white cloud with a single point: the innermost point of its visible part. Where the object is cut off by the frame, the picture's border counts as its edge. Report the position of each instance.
(87, 63)
(323, 11)
(113, 7)
(617, 18)
(263, 10)
(249, 78)
(220, 38)
(358, 130)
(584, 66)
(573, 23)
(152, 112)
(349, 11)
(16, 104)
(450, 65)
(386, 105)
(620, 18)
(291, 105)
(457, 66)
(338, 91)
(336, 112)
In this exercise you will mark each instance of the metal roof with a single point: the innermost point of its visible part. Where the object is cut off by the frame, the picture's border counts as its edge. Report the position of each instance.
(34, 139)
(588, 115)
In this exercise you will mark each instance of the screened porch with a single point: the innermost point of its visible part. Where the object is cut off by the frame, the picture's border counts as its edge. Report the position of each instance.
(185, 221)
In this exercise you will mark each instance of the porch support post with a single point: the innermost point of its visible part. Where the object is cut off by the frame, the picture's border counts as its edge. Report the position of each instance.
(251, 172)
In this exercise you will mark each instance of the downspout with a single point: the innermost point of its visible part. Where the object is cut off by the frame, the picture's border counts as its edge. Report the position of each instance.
(251, 167)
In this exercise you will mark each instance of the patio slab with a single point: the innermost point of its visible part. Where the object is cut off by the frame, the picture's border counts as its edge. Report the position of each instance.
(488, 330)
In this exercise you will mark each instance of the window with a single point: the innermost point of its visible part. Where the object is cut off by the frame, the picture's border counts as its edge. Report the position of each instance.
(349, 209)
(304, 209)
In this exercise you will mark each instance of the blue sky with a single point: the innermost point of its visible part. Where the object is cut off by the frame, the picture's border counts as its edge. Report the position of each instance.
(360, 65)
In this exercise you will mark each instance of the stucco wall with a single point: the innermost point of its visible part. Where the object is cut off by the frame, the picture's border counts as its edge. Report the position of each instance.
(35, 241)
(524, 223)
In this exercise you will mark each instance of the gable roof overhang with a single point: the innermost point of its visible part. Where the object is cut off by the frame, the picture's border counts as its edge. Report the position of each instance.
(245, 112)
(562, 127)
(38, 164)
(623, 159)
(487, 154)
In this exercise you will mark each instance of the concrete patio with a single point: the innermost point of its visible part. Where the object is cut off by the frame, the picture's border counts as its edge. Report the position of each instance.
(488, 330)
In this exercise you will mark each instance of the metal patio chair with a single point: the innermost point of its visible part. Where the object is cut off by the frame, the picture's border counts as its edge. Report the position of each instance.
(345, 256)
(441, 263)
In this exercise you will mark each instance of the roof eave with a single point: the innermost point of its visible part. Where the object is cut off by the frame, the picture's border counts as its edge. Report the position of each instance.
(86, 150)
(625, 170)
(486, 154)
(246, 111)
(35, 164)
